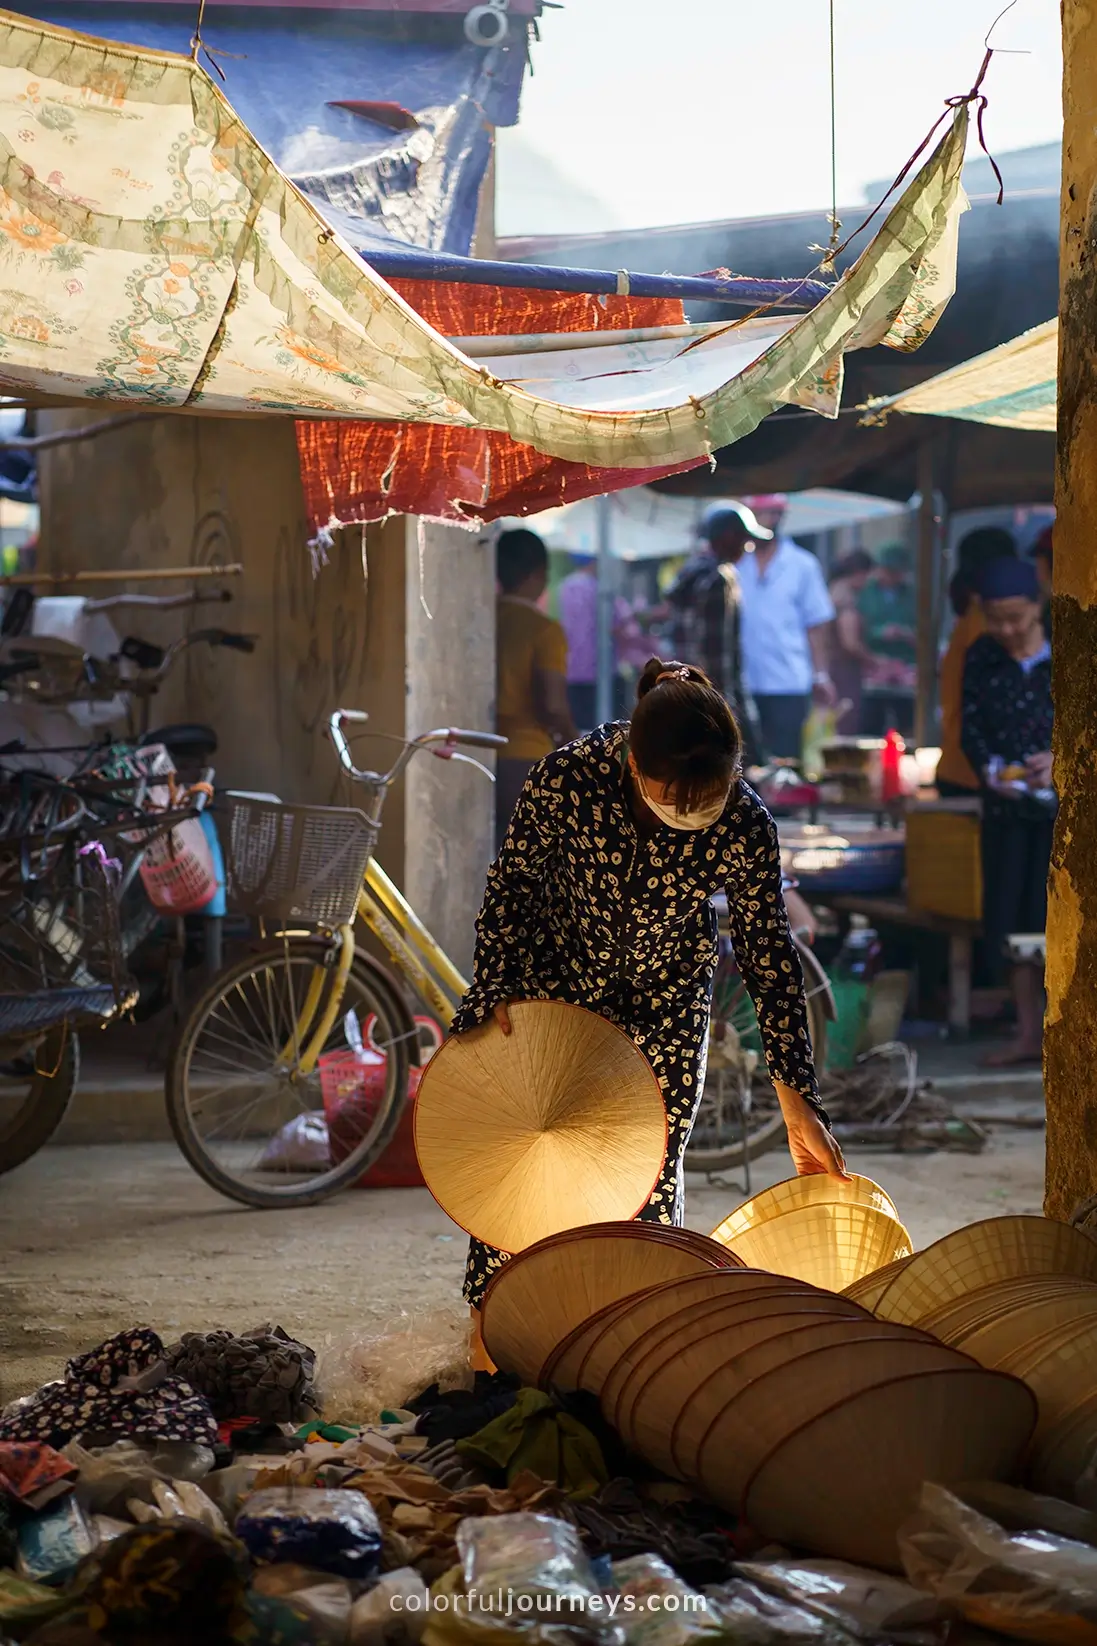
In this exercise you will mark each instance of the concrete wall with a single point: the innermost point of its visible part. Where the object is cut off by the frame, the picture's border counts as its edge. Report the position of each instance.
(1071, 1030)
(180, 490)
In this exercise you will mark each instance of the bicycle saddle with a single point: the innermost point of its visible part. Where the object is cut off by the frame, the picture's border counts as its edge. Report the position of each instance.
(184, 742)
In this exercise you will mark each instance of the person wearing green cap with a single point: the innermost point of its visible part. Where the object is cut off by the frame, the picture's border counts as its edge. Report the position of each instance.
(889, 618)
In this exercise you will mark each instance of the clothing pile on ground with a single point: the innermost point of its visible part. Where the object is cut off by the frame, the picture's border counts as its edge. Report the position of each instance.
(193, 1495)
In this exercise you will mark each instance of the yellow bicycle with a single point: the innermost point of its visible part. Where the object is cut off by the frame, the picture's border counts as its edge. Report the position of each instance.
(289, 1076)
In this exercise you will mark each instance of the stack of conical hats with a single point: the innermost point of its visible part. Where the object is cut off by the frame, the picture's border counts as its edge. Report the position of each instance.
(831, 1231)
(788, 1404)
(1017, 1294)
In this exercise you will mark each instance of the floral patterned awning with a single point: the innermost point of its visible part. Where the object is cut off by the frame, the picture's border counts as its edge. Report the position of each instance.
(153, 253)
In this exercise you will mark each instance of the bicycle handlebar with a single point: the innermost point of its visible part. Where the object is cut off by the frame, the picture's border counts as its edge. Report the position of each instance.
(447, 738)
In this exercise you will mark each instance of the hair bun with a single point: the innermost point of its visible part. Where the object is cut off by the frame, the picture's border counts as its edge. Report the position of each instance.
(659, 671)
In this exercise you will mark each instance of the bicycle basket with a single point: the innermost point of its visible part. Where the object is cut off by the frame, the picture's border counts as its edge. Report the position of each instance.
(59, 926)
(296, 862)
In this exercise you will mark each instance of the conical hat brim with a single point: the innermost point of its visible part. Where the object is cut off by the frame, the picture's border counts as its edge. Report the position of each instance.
(1017, 1321)
(705, 1359)
(871, 1287)
(659, 1344)
(544, 1292)
(995, 1249)
(559, 1124)
(828, 1245)
(789, 1381)
(842, 1485)
(564, 1365)
(956, 1320)
(794, 1192)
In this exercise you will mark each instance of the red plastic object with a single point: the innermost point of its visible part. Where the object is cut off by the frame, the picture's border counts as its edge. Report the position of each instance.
(894, 747)
(352, 1087)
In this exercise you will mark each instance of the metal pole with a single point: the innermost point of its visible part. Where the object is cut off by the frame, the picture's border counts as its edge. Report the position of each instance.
(606, 596)
(925, 707)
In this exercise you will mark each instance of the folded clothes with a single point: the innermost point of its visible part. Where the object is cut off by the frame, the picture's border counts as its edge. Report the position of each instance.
(32, 1473)
(534, 1436)
(121, 1388)
(461, 1412)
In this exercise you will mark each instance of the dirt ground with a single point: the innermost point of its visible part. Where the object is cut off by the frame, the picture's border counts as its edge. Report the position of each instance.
(96, 1238)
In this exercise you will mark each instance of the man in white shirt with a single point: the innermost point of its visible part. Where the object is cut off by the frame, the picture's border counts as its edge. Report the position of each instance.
(786, 614)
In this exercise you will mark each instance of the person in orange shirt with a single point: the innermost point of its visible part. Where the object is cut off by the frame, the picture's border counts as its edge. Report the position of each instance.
(955, 778)
(531, 654)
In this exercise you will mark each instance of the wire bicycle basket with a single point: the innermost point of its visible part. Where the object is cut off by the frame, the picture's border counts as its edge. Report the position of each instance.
(60, 931)
(285, 862)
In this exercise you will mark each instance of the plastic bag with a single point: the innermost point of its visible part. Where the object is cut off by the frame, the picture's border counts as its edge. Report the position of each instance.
(393, 1613)
(111, 1475)
(657, 1608)
(867, 1602)
(751, 1617)
(300, 1146)
(1029, 1582)
(332, 1531)
(361, 1376)
(539, 1567)
(324, 1599)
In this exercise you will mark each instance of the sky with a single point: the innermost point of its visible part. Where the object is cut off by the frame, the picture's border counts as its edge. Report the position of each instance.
(678, 111)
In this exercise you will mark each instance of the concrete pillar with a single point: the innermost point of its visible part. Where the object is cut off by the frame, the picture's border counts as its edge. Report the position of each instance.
(450, 819)
(1070, 1044)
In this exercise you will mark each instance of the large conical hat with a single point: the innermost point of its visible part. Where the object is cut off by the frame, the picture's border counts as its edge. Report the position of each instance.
(843, 1483)
(978, 1255)
(828, 1244)
(558, 1124)
(793, 1192)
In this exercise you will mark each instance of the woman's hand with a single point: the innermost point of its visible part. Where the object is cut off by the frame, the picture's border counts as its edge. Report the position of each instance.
(1038, 767)
(811, 1146)
(501, 1014)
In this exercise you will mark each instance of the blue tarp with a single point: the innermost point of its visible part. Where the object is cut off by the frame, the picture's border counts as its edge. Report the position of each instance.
(284, 68)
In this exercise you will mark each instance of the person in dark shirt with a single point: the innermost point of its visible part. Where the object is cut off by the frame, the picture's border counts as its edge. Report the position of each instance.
(1006, 736)
(705, 604)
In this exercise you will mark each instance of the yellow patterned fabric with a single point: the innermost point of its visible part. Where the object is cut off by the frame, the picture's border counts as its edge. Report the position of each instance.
(151, 252)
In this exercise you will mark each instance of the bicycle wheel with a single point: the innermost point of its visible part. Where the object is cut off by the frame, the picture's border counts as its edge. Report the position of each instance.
(727, 1132)
(249, 1122)
(36, 1088)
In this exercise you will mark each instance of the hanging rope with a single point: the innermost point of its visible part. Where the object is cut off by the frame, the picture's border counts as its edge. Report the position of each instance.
(835, 225)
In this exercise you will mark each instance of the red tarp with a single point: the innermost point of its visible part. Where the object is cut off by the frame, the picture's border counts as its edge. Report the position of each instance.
(353, 472)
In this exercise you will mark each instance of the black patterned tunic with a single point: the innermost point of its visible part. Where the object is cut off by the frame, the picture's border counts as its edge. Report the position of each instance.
(582, 906)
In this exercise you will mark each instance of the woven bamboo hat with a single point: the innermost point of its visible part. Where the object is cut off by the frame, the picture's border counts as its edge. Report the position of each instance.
(843, 1483)
(1020, 1321)
(1058, 1368)
(827, 1244)
(558, 1124)
(997, 1249)
(647, 1311)
(787, 1299)
(817, 1190)
(1064, 1450)
(706, 1357)
(629, 1335)
(791, 1380)
(956, 1320)
(871, 1287)
(543, 1293)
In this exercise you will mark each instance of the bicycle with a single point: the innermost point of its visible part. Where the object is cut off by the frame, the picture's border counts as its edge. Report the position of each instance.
(290, 1074)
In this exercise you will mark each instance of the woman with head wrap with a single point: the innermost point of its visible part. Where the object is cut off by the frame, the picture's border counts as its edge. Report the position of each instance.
(1007, 721)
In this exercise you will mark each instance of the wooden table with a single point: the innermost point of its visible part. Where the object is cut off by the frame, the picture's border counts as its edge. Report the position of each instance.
(893, 911)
